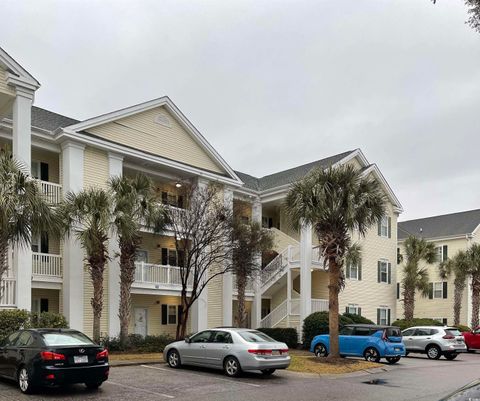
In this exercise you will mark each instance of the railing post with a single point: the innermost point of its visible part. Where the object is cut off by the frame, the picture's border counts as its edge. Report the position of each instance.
(168, 275)
(143, 271)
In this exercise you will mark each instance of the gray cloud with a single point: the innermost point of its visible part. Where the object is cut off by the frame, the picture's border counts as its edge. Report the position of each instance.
(274, 84)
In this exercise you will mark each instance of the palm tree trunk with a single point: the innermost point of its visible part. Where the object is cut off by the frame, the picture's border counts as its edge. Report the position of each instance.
(3, 263)
(475, 300)
(457, 300)
(97, 266)
(242, 310)
(127, 277)
(409, 303)
(333, 291)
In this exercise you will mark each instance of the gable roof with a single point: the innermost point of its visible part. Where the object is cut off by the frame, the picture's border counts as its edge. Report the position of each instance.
(48, 120)
(447, 225)
(289, 176)
(16, 69)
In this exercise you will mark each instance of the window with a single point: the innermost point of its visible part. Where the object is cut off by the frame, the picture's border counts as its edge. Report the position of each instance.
(39, 170)
(354, 272)
(352, 309)
(385, 227)
(408, 332)
(171, 313)
(383, 316)
(11, 339)
(173, 258)
(65, 339)
(25, 339)
(141, 256)
(222, 337)
(202, 337)
(40, 243)
(346, 331)
(39, 305)
(384, 271)
(442, 253)
(267, 222)
(438, 290)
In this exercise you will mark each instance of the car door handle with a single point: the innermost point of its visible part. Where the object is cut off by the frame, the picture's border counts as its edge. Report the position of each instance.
(428, 338)
(203, 346)
(226, 347)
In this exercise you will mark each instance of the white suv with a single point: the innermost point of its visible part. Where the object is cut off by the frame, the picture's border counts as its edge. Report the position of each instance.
(434, 341)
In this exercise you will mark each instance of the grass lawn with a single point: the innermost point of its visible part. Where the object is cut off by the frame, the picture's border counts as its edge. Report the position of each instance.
(154, 356)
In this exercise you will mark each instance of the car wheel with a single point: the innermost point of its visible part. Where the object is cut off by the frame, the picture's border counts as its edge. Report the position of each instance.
(231, 366)
(371, 355)
(24, 382)
(433, 352)
(320, 350)
(471, 351)
(392, 359)
(93, 385)
(451, 356)
(173, 359)
(268, 372)
(406, 353)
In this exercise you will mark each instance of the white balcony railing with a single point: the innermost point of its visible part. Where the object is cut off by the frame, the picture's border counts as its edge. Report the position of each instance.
(319, 305)
(51, 191)
(159, 274)
(47, 265)
(8, 288)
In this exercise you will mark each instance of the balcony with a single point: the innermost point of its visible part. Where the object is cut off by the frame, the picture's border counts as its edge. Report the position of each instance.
(8, 288)
(155, 276)
(51, 191)
(47, 267)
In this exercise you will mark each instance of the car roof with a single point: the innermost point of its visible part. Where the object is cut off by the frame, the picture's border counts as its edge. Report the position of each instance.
(430, 327)
(370, 326)
(46, 330)
(227, 328)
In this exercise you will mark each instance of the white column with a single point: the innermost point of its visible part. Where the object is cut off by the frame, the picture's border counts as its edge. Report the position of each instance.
(227, 277)
(199, 309)
(305, 272)
(115, 164)
(73, 255)
(22, 143)
(257, 284)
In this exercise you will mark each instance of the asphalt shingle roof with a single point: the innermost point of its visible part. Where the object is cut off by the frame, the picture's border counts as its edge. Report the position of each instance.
(447, 225)
(288, 176)
(48, 120)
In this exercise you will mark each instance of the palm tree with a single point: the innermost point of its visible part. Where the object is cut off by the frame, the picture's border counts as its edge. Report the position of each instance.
(134, 206)
(89, 215)
(336, 201)
(23, 209)
(473, 254)
(414, 276)
(249, 240)
(459, 267)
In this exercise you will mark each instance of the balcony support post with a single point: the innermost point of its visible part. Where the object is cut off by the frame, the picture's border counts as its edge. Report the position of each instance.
(305, 272)
(257, 284)
(227, 277)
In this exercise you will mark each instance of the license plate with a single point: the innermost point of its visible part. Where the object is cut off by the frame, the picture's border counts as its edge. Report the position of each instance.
(398, 349)
(80, 359)
(275, 352)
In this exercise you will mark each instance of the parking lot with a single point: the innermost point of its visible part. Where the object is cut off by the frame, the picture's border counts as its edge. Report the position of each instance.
(413, 378)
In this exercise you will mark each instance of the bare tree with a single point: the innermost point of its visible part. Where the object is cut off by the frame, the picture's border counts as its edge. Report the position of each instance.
(202, 233)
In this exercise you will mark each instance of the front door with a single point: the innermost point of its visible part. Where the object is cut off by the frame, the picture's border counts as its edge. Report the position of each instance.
(140, 321)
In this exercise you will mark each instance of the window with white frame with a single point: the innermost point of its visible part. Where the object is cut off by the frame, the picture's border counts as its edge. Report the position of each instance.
(438, 290)
(141, 256)
(170, 313)
(384, 226)
(35, 169)
(353, 271)
(439, 252)
(352, 309)
(383, 271)
(383, 316)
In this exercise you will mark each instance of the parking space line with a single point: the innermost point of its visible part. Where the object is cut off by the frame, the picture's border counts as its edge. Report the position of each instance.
(198, 374)
(139, 389)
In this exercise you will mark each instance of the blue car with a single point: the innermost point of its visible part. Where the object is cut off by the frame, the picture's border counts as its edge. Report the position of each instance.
(370, 341)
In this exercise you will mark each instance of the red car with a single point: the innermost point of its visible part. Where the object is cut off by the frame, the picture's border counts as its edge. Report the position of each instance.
(472, 339)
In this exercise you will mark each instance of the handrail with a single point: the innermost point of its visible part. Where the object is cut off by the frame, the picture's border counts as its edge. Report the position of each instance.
(159, 274)
(279, 313)
(45, 264)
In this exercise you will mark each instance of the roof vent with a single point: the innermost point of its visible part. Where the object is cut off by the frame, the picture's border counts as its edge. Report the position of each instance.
(162, 119)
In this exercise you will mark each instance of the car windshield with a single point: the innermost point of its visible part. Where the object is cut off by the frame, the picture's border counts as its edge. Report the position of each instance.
(255, 337)
(66, 339)
(453, 332)
(393, 332)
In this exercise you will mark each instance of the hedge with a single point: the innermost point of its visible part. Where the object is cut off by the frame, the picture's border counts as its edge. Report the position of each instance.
(287, 335)
(463, 328)
(358, 319)
(137, 343)
(15, 319)
(405, 324)
(317, 323)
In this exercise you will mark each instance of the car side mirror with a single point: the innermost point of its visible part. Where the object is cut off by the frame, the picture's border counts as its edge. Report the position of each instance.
(188, 340)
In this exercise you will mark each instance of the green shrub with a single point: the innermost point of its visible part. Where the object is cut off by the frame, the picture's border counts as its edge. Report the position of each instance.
(48, 320)
(317, 323)
(138, 344)
(12, 320)
(463, 328)
(357, 318)
(405, 324)
(287, 335)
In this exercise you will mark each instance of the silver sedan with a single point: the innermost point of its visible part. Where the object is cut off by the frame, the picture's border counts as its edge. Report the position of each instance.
(233, 350)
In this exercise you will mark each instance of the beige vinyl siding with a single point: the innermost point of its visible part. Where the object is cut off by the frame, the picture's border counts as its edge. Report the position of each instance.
(278, 297)
(242, 209)
(286, 226)
(437, 307)
(53, 297)
(141, 132)
(4, 88)
(215, 300)
(282, 240)
(320, 285)
(153, 244)
(368, 293)
(153, 304)
(96, 174)
(53, 161)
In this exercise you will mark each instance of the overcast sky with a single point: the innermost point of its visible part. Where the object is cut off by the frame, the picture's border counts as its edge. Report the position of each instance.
(275, 84)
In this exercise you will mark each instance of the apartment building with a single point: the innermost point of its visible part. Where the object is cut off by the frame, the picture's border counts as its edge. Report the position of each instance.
(450, 233)
(155, 138)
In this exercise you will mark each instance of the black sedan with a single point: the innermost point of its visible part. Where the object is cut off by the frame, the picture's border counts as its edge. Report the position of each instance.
(49, 357)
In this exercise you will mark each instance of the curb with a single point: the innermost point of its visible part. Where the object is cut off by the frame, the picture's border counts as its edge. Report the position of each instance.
(119, 364)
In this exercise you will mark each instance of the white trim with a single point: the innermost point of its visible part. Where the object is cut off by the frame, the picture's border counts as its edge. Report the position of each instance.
(22, 75)
(177, 114)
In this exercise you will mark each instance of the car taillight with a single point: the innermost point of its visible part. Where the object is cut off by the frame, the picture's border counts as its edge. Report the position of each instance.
(448, 337)
(284, 351)
(103, 354)
(52, 356)
(260, 351)
(384, 336)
